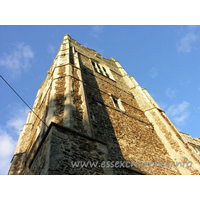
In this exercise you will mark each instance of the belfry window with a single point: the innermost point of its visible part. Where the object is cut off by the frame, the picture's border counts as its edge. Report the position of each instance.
(106, 72)
(117, 102)
(102, 70)
(93, 63)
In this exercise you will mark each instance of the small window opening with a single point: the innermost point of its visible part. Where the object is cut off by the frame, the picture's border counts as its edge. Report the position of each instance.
(115, 100)
(106, 72)
(100, 70)
(94, 66)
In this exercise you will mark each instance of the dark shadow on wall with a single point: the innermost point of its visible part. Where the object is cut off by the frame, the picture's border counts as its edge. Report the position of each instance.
(77, 146)
(67, 145)
(100, 121)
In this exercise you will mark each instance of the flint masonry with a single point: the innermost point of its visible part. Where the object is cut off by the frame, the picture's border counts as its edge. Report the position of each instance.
(90, 109)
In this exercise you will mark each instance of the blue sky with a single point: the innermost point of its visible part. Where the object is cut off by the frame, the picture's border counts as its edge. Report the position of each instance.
(163, 59)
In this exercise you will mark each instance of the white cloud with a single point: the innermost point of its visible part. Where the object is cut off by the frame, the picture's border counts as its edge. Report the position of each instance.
(4, 166)
(170, 93)
(9, 134)
(17, 60)
(185, 44)
(179, 113)
(96, 31)
(180, 120)
(176, 110)
(153, 72)
(17, 119)
(7, 147)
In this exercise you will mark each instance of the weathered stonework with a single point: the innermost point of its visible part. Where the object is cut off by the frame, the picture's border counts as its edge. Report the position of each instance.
(59, 96)
(78, 113)
(90, 110)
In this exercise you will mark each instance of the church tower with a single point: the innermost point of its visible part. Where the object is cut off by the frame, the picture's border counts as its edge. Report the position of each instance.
(91, 117)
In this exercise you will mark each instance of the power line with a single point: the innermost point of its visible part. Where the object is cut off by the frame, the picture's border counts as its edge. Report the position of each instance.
(22, 100)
